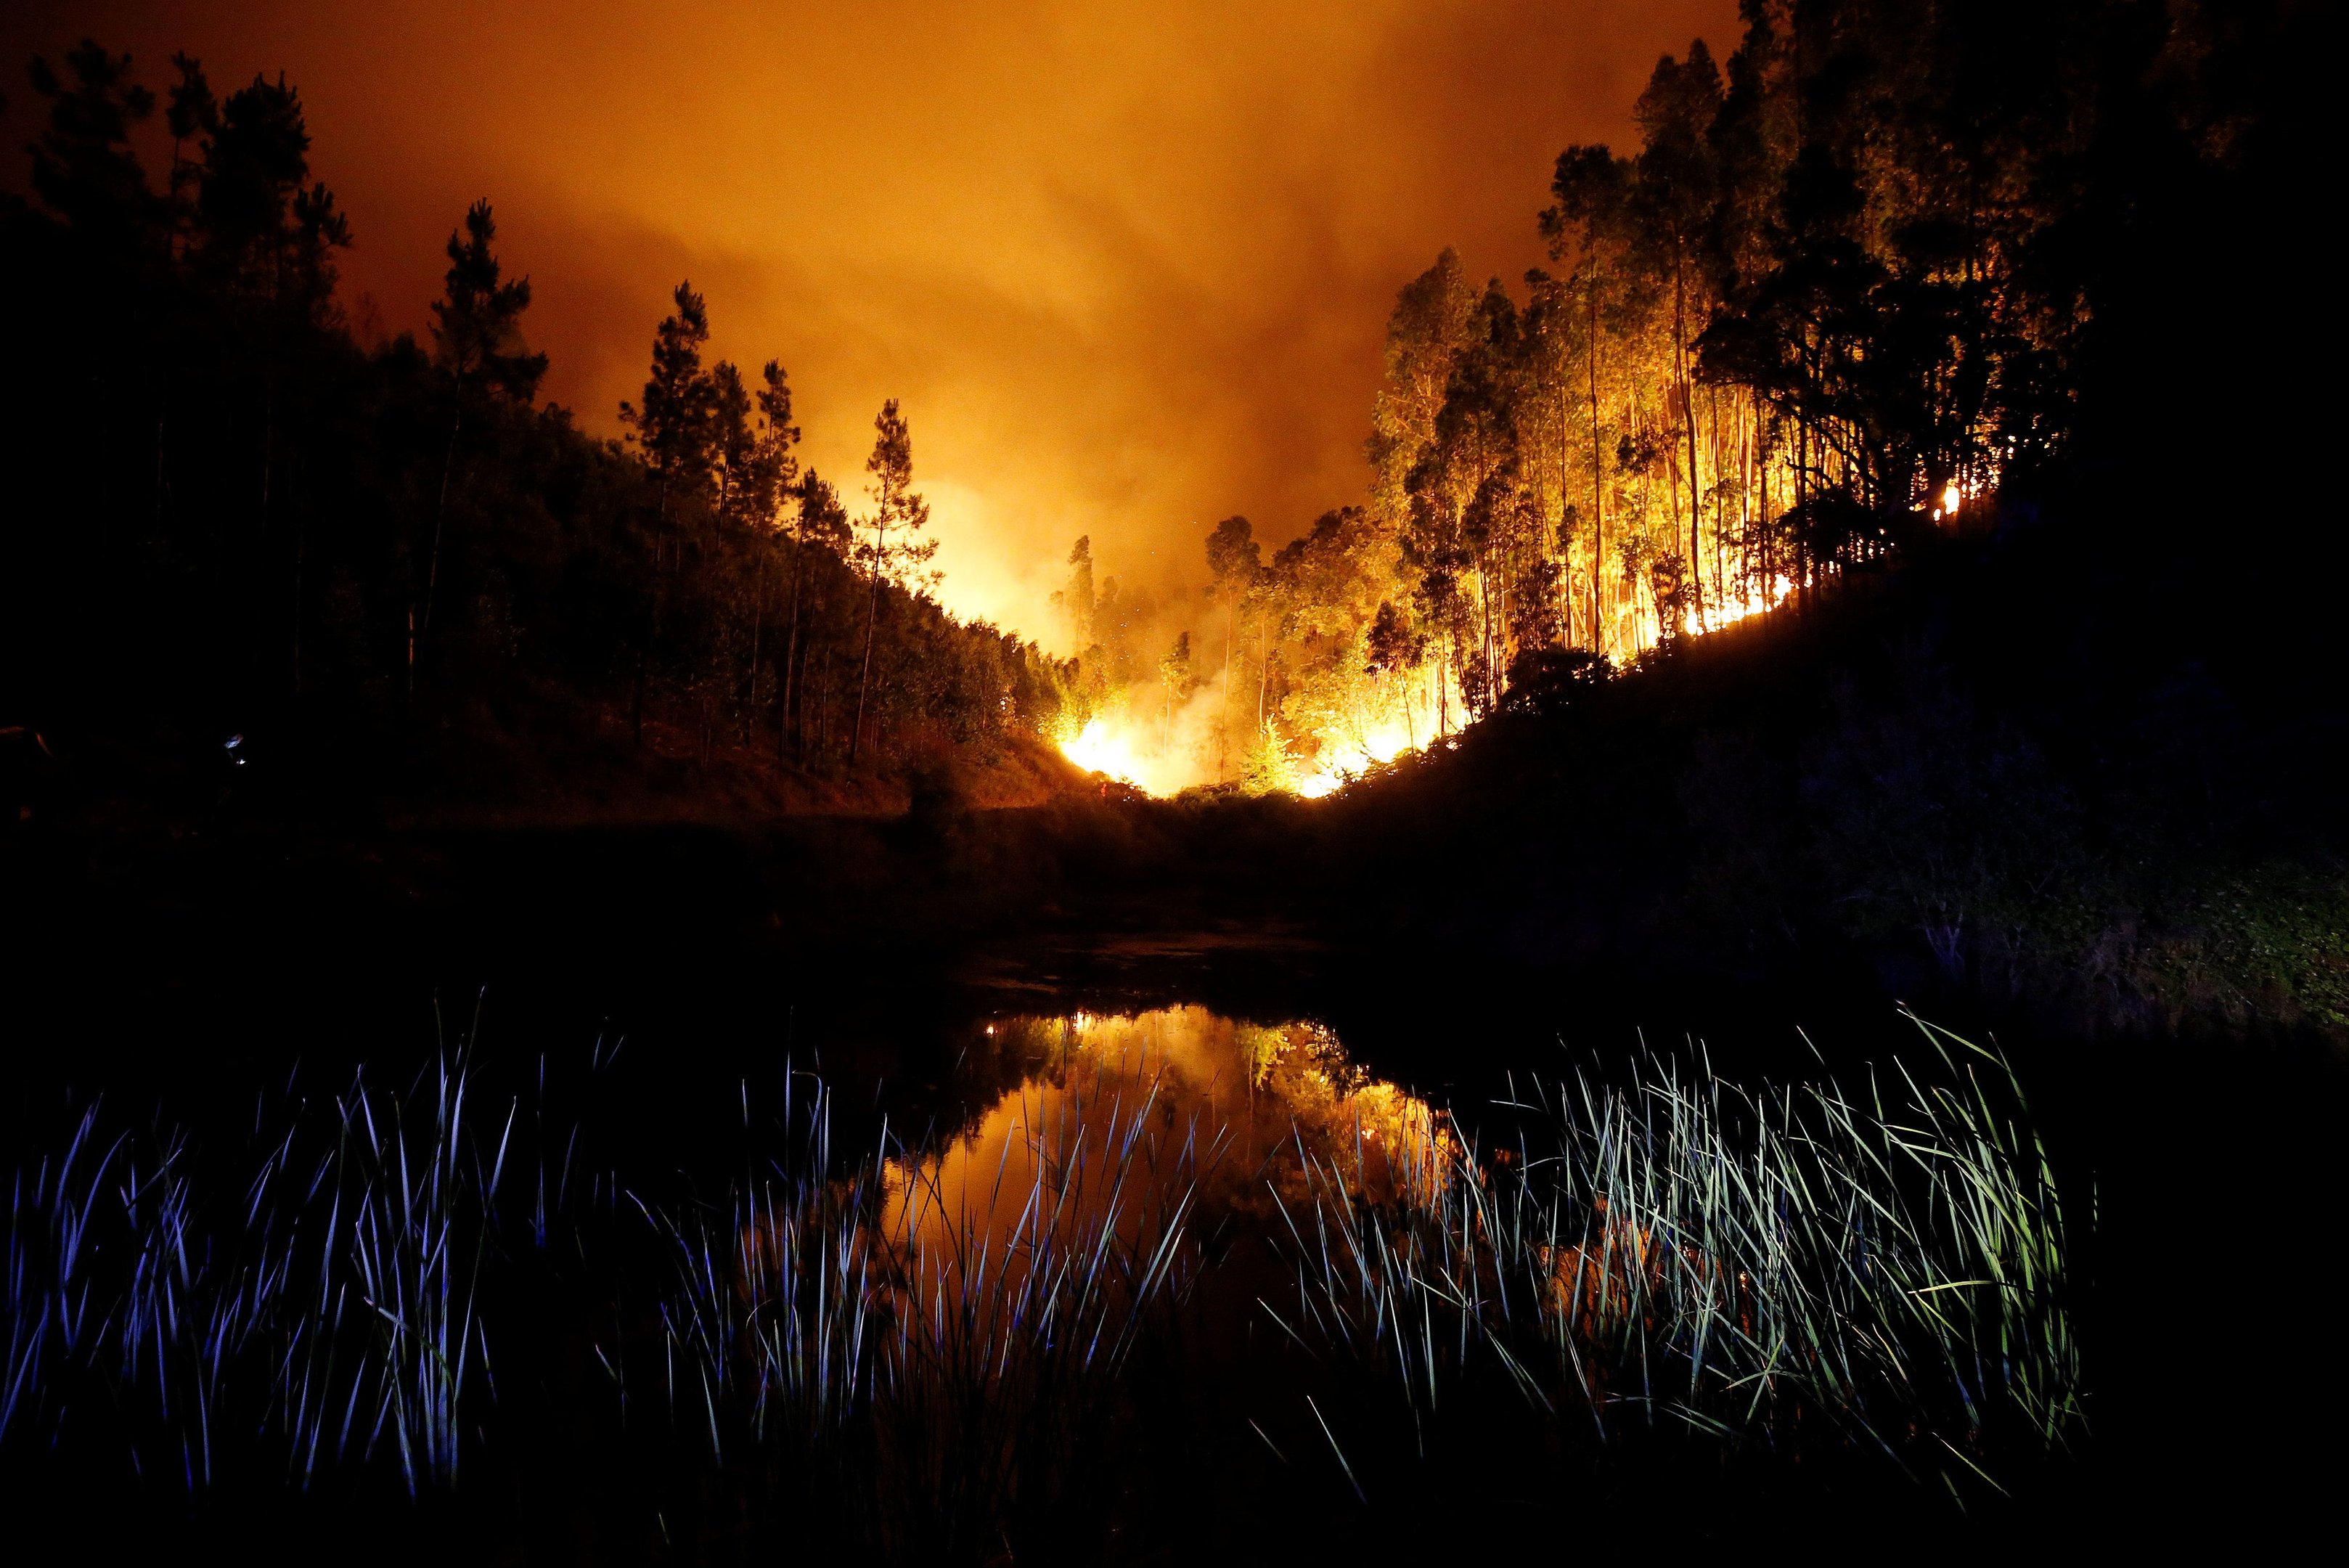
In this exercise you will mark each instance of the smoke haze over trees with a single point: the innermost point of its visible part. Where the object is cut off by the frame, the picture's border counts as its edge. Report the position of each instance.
(1885, 287)
(1907, 355)
(1067, 219)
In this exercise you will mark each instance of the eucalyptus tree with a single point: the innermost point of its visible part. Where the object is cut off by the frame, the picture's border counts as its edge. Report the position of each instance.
(1671, 200)
(1588, 227)
(1234, 563)
(1429, 328)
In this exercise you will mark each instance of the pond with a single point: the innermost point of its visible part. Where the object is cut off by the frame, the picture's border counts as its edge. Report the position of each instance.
(1230, 1110)
(1746, 1261)
(1028, 1252)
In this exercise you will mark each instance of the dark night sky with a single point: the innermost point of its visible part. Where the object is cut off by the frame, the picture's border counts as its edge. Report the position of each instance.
(1128, 265)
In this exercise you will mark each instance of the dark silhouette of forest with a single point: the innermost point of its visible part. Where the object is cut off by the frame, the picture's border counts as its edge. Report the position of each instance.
(390, 570)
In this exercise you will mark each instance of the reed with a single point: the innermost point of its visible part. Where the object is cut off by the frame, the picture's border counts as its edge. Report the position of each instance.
(1891, 1260)
(326, 1312)
(930, 1340)
(964, 1333)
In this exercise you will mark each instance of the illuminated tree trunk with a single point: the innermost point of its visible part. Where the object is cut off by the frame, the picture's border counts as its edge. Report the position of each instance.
(1802, 516)
(1758, 477)
(1566, 594)
(1485, 641)
(1597, 491)
(1223, 738)
(1720, 546)
(1263, 671)
(1687, 408)
(1442, 686)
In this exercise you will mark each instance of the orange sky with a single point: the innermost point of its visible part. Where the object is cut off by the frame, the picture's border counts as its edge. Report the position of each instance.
(1127, 264)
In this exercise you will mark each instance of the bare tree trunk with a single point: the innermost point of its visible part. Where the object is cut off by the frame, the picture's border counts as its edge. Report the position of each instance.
(1597, 492)
(1263, 671)
(872, 620)
(300, 540)
(652, 618)
(1802, 516)
(786, 730)
(1223, 741)
(1688, 407)
(1758, 471)
(1720, 548)
(824, 713)
(439, 509)
(1443, 692)
(757, 625)
(1485, 632)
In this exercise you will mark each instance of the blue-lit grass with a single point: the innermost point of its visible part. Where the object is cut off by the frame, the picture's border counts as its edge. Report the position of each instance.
(324, 1313)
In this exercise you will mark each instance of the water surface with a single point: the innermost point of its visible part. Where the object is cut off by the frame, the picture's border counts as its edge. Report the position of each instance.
(1125, 1116)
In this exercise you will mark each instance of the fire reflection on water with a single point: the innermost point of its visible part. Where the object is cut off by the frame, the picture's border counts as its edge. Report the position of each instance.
(1749, 1254)
(1121, 1125)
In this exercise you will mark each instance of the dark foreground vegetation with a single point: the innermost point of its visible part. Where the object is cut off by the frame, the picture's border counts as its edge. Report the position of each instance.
(381, 1298)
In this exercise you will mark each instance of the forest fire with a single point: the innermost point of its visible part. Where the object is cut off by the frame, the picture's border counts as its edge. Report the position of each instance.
(1123, 753)
(1820, 554)
(1094, 750)
(1130, 754)
(1566, 481)
(1338, 762)
(1758, 598)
